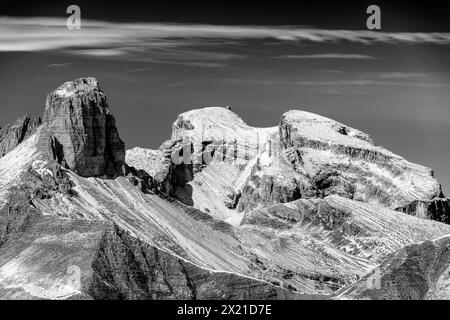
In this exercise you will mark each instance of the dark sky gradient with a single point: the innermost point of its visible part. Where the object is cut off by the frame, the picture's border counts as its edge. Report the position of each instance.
(400, 94)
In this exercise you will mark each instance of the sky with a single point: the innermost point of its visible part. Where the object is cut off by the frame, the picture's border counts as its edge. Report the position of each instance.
(155, 60)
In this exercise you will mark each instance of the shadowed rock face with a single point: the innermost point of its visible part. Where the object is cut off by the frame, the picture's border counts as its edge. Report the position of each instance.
(16, 216)
(13, 135)
(437, 209)
(267, 191)
(19, 213)
(83, 133)
(417, 271)
(169, 178)
(173, 178)
(126, 268)
(61, 259)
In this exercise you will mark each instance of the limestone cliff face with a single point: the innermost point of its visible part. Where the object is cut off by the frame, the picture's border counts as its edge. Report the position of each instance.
(355, 227)
(41, 181)
(168, 177)
(80, 259)
(179, 172)
(82, 130)
(305, 156)
(268, 185)
(415, 272)
(126, 268)
(12, 135)
(437, 209)
(338, 159)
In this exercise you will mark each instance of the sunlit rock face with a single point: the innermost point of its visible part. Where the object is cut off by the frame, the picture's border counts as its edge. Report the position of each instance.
(305, 156)
(83, 132)
(342, 160)
(60, 259)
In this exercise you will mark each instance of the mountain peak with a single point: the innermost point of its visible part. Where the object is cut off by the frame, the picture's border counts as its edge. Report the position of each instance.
(77, 86)
(211, 114)
(322, 128)
(83, 133)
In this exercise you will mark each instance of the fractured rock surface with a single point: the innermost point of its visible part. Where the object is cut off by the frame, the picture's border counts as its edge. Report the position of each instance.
(437, 209)
(13, 135)
(306, 156)
(415, 272)
(342, 160)
(58, 259)
(83, 132)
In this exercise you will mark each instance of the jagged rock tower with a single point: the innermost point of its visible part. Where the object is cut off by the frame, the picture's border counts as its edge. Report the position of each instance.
(83, 133)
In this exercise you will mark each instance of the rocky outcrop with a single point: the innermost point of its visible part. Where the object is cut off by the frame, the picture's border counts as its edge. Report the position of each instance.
(306, 156)
(79, 259)
(266, 190)
(437, 209)
(171, 170)
(415, 272)
(13, 135)
(126, 268)
(155, 162)
(327, 182)
(16, 216)
(82, 131)
(41, 181)
(176, 170)
(338, 159)
(357, 228)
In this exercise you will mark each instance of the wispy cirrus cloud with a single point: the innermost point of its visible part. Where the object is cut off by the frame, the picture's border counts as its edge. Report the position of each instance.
(330, 71)
(347, 56)
(404, 75)
(139, 70)
(176, 84)
(182, 44)
(58, 65)
(336, 83)
(373, 83)
(31, 34)
(109, 52)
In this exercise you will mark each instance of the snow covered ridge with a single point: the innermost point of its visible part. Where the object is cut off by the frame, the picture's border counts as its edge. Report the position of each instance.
(306, 155)
(218, 130)
(329, 145)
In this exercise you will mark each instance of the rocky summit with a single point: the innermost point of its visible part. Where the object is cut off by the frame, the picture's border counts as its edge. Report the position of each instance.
(307, 208)
(83, 132)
